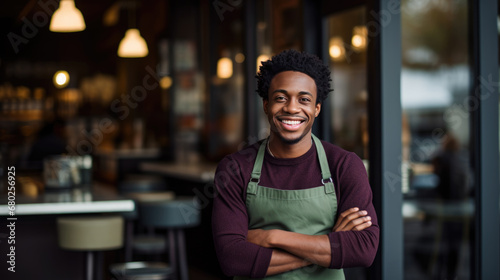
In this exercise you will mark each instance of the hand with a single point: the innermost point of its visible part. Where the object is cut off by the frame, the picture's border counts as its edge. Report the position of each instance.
(260, 237)
(352, 219)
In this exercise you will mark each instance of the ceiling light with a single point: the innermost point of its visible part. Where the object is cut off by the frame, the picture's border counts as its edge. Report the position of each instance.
(358, 39)
(67, 18)
(133, 45)
(224, 68)
(336, 49)
(61, 79)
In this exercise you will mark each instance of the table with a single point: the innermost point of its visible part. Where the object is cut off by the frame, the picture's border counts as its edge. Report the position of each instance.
(94, 199)
(196, 172)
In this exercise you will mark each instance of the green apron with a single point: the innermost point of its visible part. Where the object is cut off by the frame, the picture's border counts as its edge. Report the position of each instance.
(308, 211)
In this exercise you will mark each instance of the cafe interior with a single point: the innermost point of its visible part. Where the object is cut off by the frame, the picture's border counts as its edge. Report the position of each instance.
(115, 113)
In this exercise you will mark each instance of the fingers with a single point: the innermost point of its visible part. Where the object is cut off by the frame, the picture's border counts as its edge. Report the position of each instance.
(361, 223)
(352, 219)
(346, 216)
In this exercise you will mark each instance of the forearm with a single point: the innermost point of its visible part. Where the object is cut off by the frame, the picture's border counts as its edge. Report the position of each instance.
(313, 248)
(282, 261)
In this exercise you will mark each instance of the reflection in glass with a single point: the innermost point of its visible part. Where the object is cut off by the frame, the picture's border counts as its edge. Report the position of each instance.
(436, 171)
(348, 102)
(348, 65)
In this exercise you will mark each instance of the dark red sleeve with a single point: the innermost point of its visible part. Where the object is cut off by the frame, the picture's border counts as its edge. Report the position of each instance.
(236, 256)
(354, 248)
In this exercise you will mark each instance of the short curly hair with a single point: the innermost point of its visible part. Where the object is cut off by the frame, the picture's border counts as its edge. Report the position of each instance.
(292, 60)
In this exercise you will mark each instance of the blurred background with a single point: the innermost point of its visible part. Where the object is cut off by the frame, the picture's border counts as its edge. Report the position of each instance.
(180, 95)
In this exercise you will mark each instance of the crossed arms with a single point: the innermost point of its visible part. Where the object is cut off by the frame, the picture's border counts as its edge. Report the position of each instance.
(294, 250)
(256, 253)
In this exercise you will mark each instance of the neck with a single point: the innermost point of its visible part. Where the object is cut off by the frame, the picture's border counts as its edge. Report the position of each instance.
(280, 149)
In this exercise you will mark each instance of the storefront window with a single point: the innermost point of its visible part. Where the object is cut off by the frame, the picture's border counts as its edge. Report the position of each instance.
(225, 127)
(278, 27)
(437, 179)
(347, 42)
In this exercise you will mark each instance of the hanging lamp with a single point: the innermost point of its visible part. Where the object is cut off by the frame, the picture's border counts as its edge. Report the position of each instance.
(132, 45)
(225, 66)
(67, 18)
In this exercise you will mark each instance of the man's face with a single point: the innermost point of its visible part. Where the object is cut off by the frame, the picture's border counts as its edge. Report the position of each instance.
(291, 107)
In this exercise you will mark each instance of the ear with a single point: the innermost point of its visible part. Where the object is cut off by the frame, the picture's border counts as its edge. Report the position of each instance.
(318, 109)
(265, 102)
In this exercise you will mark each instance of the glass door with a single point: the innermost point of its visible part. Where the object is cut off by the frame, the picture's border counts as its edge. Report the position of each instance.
(437, 174)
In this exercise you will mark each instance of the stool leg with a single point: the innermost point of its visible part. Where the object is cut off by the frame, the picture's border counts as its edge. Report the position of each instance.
(183, 267)
(90, 265)
(129, 240)
(98, 263)
(172, 252)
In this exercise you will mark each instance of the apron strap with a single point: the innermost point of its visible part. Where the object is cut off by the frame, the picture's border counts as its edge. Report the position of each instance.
(257, 168)
(323, 162)
(326, 176)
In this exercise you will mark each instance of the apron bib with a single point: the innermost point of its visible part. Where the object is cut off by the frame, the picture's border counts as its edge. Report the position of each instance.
(308, 211)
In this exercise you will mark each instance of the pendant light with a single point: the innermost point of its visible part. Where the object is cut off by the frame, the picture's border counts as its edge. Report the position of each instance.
(359, 36)
(67, 18)
(132, 45)
(61, 79)
(225, 66)
(336, 48)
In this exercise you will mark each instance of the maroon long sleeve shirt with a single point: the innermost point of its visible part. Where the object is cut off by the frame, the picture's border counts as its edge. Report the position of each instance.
(239, 257)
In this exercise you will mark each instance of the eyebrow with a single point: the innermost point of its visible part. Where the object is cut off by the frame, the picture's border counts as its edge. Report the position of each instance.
(285, 92)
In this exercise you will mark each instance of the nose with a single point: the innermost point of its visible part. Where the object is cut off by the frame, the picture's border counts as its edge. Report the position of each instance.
(292, 106)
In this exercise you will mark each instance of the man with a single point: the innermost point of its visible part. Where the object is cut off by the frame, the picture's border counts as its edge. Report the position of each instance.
(292, 206)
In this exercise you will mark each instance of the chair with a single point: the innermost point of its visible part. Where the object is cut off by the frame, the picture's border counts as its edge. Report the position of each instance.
(90, 234)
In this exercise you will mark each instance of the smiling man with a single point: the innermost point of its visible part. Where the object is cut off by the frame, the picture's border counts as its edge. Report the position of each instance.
(292, 206)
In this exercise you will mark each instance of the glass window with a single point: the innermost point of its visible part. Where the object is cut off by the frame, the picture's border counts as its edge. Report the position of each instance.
(436, 167)
(347, 42)
(279, 27)
(225, 111)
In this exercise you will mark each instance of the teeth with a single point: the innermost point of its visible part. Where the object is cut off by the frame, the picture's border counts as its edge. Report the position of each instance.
(290, 122)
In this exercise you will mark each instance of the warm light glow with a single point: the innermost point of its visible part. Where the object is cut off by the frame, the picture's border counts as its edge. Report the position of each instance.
(260, 59)
(359, 37)
(165, 82)
(357, 41)
(61, 79)
(133, 45)
(224, 68)
(336, 49)
(67, 18)
(239, 58)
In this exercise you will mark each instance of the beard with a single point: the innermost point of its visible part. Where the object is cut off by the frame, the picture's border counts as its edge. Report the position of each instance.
(291, 141)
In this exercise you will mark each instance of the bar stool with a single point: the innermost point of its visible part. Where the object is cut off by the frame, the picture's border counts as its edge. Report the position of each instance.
(142, 187)
(174, 216)
(90, 234)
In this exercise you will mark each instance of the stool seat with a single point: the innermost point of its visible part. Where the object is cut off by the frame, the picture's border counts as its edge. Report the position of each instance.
(90, 233)
(141, 271)
(135, 183)
(149, 244)
(182, 212)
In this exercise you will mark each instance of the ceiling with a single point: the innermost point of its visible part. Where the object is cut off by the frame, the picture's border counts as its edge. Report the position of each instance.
(25, 26)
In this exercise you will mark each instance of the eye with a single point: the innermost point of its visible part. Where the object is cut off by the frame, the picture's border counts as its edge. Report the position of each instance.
(280, 99)
(305, 100)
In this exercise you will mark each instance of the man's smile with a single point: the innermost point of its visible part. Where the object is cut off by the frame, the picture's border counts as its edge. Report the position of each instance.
(291, 123)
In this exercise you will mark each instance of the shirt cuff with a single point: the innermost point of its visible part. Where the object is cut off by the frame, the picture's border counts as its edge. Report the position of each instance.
(336, 248)
(262, 263)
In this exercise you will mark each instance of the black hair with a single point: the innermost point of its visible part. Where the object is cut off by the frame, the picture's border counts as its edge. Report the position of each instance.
(292, 60)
